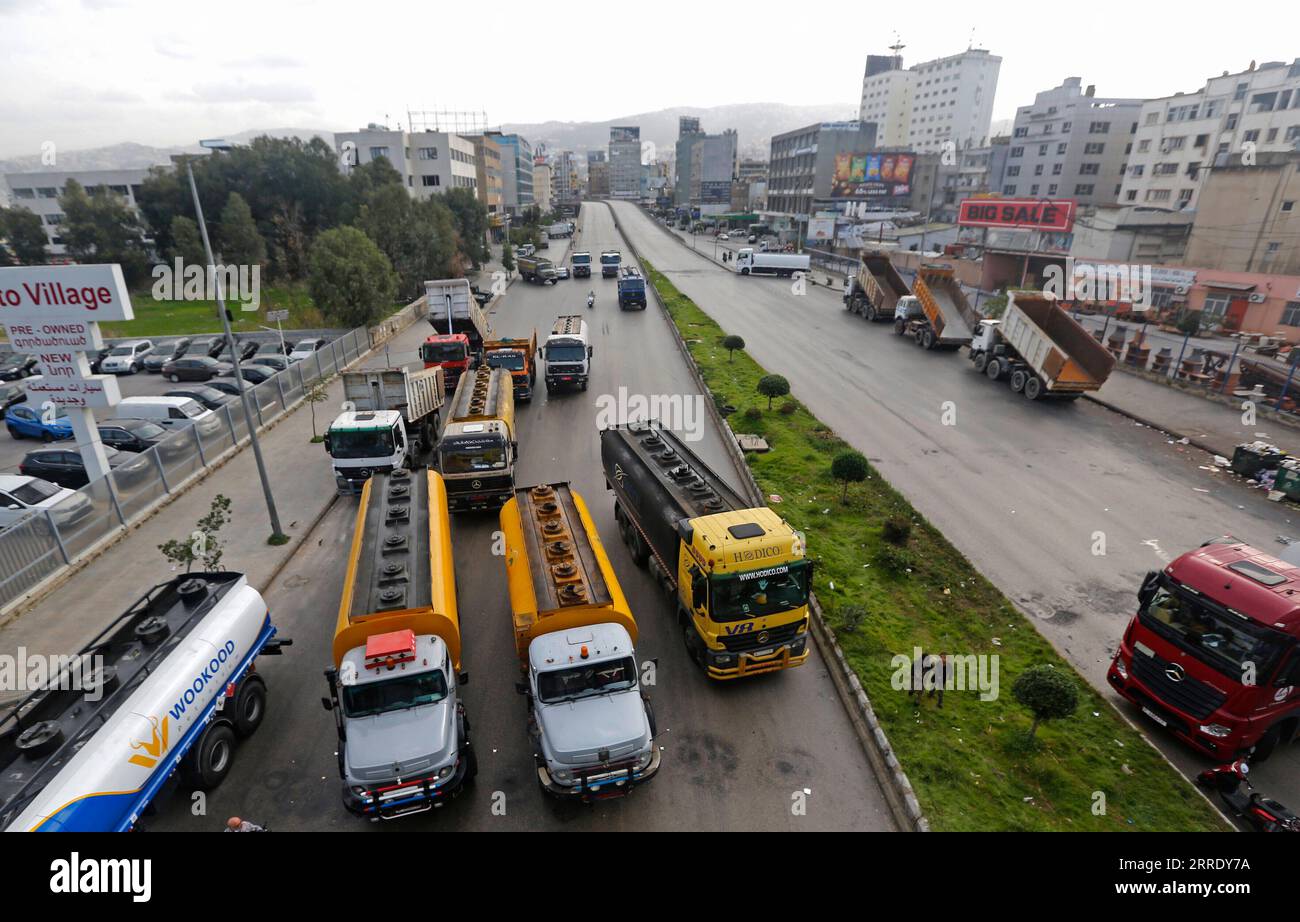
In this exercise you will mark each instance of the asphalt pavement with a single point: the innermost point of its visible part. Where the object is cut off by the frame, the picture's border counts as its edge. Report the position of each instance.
(736, 756)
(1022, 489)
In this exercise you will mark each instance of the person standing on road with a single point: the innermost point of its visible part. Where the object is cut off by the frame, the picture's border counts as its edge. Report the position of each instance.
(235, 824)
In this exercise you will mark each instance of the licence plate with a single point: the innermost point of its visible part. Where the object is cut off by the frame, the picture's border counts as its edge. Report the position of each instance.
(1156, 717)
(758, 654)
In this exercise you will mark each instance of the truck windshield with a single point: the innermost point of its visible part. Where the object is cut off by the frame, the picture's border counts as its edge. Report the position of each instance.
(1215, 637)
(581, 260)
(397, 694)
(582, 681)
(760, 592)
(438, 353)
(566, 352)
(472, 456)
(512, 361)
(362, 443)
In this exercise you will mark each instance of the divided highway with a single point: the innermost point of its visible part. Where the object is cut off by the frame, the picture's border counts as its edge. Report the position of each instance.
(734, 755)
(1027, 491)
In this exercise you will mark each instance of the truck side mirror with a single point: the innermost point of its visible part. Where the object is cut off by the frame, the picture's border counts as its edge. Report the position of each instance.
(521, 688)
(462, 678)
(328, 449)
(1149, 584)
(589, 352)
(326, 703)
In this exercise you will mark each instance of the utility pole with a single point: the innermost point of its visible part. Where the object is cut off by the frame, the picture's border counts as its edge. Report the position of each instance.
(277, 534)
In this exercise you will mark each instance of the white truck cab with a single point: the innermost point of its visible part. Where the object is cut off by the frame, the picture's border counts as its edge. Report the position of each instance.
(567, 354)
(985, 336)
(593, 731)
(361, 443)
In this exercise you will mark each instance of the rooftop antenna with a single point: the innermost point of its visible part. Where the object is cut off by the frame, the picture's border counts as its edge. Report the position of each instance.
(970, 44)
(897, 48)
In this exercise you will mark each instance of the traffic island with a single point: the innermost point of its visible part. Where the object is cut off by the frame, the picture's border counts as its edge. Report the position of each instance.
(891, 586)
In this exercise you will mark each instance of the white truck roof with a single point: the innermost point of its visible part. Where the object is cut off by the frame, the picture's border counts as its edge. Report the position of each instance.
(366, 419)
(560, 649)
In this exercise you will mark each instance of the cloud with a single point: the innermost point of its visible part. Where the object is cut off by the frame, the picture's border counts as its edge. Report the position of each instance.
(241, 91)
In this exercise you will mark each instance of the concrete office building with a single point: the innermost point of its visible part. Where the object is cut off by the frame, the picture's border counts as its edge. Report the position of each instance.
(1071, 144)
(1255, 111)
(516, 170)
(801, 165)
(625, 162)
(564, 178)
(928, 105)
(1248, 216)
(542, 184)
(705, 170)
(487, 166)
(39, 193)
(429, 162)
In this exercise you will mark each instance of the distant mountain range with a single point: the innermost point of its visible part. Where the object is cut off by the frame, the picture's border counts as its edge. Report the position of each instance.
(755, 123)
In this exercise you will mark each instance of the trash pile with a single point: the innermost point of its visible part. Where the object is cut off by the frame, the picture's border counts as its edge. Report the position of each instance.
(1267, 467)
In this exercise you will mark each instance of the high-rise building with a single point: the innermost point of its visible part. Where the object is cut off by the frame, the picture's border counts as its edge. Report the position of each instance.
(429, 162)
(625, 161)
(929, 105)
(542, 196)
(564, 178)
(1072, 144)
(705, 168)
(488, 170)
(516, 170)
(1247, 113)
(803, 167)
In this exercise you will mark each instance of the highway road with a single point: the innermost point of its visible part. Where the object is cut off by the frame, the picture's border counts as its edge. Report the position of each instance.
(1022, 489)
(734, 755)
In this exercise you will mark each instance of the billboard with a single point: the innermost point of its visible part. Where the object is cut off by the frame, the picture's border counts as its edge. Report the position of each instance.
(862, 174)
(1031, 213)
(625, 133)
(821, 230)
(715, 193)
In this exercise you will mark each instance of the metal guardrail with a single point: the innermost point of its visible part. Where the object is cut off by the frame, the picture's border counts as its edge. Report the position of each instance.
(40, 545)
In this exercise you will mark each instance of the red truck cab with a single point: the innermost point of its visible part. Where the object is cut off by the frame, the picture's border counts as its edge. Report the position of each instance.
(451, 351)
(1212, 653)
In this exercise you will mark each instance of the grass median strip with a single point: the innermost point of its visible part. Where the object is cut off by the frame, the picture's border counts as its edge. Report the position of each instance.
(971, 760)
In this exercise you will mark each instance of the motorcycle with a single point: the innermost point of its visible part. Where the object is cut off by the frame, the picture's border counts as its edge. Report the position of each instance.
(1242, 800)
(591, 301)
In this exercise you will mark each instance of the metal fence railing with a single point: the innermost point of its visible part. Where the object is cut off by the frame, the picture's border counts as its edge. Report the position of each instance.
(39, 545)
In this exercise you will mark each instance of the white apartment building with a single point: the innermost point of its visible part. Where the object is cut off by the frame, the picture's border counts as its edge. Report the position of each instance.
(1072, 144)
(542, 187)
(39, 193)
(933, 103)
(1257, 109)
(429, 162)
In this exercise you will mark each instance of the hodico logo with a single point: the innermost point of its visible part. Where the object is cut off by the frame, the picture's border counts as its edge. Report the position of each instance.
(75, 874)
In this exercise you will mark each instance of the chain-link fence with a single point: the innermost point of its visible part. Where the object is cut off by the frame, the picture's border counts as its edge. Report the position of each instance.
(39, 545)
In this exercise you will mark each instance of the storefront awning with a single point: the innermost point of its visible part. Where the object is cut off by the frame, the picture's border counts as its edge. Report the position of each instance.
(1230, 286)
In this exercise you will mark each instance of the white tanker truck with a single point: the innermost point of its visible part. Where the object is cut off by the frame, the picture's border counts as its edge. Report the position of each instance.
(170, 685)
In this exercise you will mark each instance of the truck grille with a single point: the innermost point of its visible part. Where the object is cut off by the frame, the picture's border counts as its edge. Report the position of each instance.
(772, 637)
(1188, 695)
(495, 484)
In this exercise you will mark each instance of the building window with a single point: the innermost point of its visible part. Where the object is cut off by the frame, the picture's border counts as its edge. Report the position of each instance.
(1131, 195)
(1066, 127)
(1094, 148)
(1231, 123)
(1056, 169)
(1165, 169)
(1038, 170)
(428, 153)
(1185, 195)
(1089, 169)
(1021, 132)
(1013, 171)
(1083, 189)
(1017, 152)
(1291, 314)
(1042, 150)
(1144, 146)
(24, 193)
(1157, 195)
(1251, 136)
(54, 220)
(378, 153)
(1216, 304)
(1287, 207)
(1137, 170)
(1051, 190)
(51, 192)
(1099, 128)
(1153, 118)
(1061, 148)
(431, 180)
(1008, 190)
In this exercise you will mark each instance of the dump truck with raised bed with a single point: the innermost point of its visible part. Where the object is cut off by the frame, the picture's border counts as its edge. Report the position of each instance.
(403, 737)
(948, 317)
(876, 289)
(478, 448)
(460, 328)
(391, 421)
(518, 356)
(591, 727)
(1040, 349)
(736, 574)
(166, 688)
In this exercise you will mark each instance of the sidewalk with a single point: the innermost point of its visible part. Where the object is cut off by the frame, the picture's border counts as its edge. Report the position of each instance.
(1206, 423)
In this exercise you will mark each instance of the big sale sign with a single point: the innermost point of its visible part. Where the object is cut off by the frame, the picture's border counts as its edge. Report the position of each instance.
(1055, 215)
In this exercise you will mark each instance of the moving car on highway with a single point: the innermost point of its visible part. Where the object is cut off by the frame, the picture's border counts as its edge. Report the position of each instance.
(26, 422)
(21, 495)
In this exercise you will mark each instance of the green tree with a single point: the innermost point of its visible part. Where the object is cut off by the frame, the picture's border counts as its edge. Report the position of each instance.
(507, 258)
(1049, 694)
(102, 228)
(849, 467)
(187, 243)
(418, 238)
(349, 278)
(731, 344)
(202, 546)
(237, 235)
(23, 235)
(471, 220)
(314, 394)
(771, 386)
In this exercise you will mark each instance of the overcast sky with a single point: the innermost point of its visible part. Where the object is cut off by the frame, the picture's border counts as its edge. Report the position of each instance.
(86, 73)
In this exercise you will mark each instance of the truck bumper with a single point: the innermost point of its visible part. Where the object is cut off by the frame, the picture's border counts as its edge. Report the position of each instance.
(565, 381)
(418, 795)
(723, 665)
(349, 482)
(1183, 726)
(475, 502)
(607, 784)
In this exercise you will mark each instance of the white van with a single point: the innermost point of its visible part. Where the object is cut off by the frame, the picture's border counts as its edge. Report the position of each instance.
(168, 412)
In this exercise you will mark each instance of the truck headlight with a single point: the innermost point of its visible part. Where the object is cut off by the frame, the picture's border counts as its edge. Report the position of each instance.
(445, 772)
(1216, 730)
(723, 659)
(1121, 668)
(562, 774)
(644, 762)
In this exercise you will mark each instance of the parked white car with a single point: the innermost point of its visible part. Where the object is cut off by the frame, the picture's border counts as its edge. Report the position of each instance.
(21, 495)
(126, 358)
(306, 348)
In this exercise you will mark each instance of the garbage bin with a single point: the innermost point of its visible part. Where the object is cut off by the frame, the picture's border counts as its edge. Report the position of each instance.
(1248, 462)
(1288, 482)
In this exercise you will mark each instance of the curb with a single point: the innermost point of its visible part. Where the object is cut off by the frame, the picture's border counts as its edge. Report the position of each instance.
(1151, 424)
(899, 794)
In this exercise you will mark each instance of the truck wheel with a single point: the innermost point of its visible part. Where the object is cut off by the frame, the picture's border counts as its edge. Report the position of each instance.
(1033, 387)
(927, 339)
(471, 764)
(919, 338)
(250, 706)
(899, 326)
(993, 369)
(692, 641)
(209, 761)
(650, 718)
(744, 271)
(981, 362)
(1018, 379)
(640, 552)
(1267, 743)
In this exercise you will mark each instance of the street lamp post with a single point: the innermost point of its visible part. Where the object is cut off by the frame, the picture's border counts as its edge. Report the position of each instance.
(277, 534)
